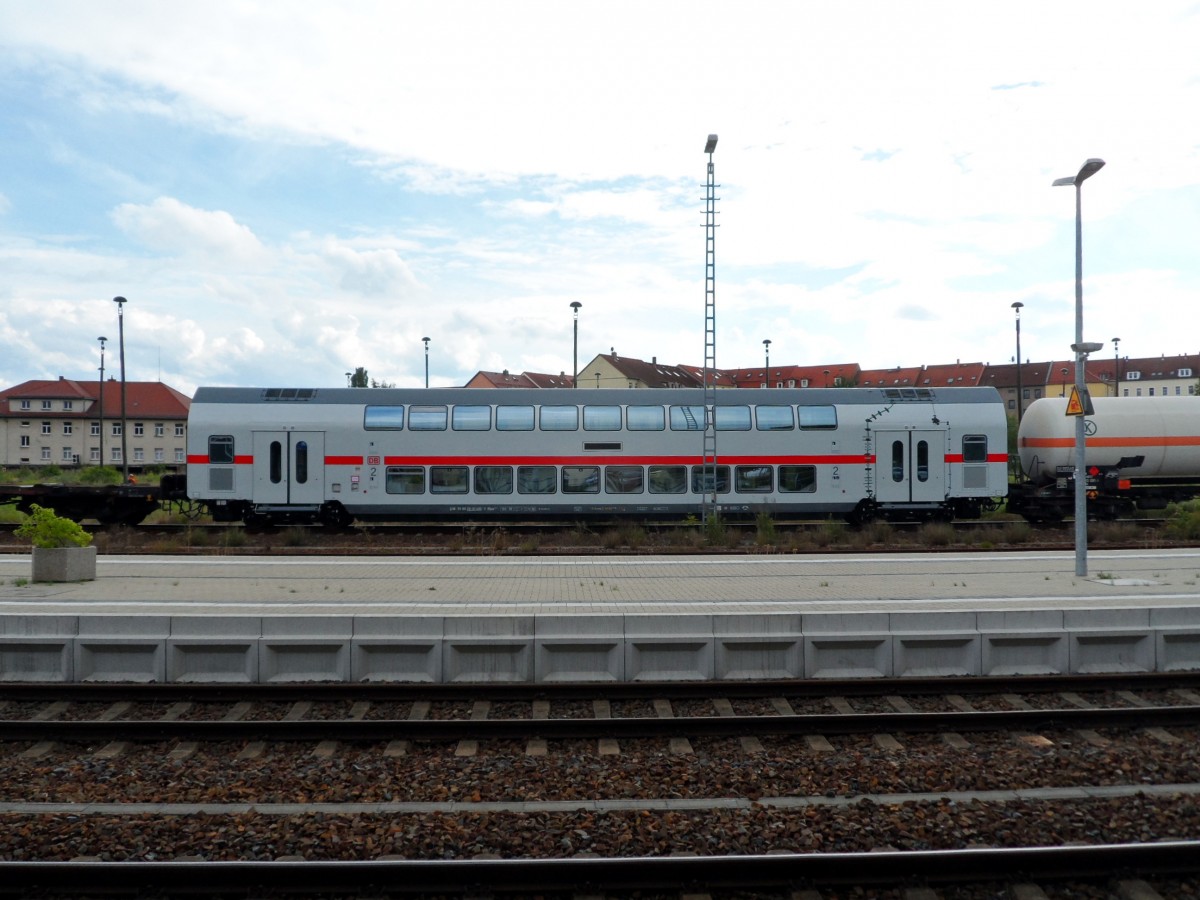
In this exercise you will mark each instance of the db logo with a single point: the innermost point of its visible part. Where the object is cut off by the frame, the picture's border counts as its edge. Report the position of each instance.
(372, 460)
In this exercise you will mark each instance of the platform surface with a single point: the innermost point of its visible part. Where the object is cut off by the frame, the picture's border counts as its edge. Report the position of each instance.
(609, 585)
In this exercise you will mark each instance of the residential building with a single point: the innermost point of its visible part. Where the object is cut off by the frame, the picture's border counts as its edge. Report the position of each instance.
(61, 423)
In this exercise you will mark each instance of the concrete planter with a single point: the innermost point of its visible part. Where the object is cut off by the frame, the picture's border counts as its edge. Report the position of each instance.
(64, 563)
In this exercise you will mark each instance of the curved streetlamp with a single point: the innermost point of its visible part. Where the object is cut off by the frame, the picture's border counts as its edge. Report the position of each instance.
(575, 304)
(426, 340)
(767, 360)
(1089, 168)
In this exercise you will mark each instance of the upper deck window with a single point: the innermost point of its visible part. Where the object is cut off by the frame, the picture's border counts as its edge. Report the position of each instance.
(560, 418)
(379, 418)
(602, 418)
(471, 418)
(514, 418)
(816, 417)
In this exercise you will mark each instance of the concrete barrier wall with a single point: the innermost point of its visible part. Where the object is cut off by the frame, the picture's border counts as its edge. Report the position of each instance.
(522, 649)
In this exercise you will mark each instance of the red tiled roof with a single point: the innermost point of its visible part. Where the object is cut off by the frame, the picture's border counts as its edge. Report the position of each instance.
(152, 399)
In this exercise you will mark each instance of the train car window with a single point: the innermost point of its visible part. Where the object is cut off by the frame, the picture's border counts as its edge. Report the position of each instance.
(733, 418)
(623, 480)
(668, 479)
(560, 418)
(427, 418)
(536, 480)
(493, 479)
(383, 418)
(974, 448)
(275, 462)
(798, 479)
(448, 479)
(922, 460)
(645, 418)
(687, 418)
(817, 417)
(471, 418)
(301, 462)
(602, 418)
(405, 480)
(702, 483)
(581, 479)
(897, 461)
(753, 479)
(220, 448)
(514, 418)
(774, 418)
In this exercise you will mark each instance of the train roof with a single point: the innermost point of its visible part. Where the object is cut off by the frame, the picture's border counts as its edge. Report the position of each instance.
(609, 396)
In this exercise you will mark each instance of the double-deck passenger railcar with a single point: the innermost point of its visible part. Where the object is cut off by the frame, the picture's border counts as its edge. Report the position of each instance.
(342, 454)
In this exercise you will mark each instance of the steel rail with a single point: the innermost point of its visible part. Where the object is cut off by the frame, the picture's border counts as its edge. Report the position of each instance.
(942, 867)
(90, 692)
(374, 730)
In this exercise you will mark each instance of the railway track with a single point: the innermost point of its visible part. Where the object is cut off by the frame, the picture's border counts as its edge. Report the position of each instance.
(951, 787)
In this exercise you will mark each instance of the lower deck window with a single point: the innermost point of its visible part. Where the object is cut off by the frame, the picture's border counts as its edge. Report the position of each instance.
(798, 479)
(405, 480)
(668, 480)
(702, 481)
(623, 480)
(493, 479)
(581, 479)
(448, 479)
(536, 480)
(753, 479)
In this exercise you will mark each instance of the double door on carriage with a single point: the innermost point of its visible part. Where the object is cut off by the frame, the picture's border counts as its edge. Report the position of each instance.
(289, 467)
(910, 466)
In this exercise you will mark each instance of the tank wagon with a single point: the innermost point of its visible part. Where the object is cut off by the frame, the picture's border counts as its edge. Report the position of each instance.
(338, 455)
(1141, 453)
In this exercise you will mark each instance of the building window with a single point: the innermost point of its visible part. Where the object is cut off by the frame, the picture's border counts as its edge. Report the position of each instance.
(179, 457)
(67, 404)
(24, 440)
(116, 429)
(138, 454)
(116, 455)
(46, 454)
(159, 456)
(68, 455)
(139, 428)
(94, 455)
(95, 429)
(68, 428)
(25, 404)
(46, 404)
(159, 429)
(45, 428)
(178, 429)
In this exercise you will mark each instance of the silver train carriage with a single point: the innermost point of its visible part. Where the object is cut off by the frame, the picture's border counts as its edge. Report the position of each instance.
(334, 455)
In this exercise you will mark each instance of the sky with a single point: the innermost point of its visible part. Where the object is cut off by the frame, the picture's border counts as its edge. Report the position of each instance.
(288, 191)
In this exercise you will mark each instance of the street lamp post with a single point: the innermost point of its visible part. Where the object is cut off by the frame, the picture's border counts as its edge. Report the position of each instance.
(1089, 168)
(1017, 309)
(575, 304)
(1116, 367)
(1063, 391)
(121, 301)
(426, 340)
(102, 341)
(767, 360)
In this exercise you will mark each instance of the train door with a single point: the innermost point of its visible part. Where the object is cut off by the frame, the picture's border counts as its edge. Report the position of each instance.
(289, 467)
(910, 466)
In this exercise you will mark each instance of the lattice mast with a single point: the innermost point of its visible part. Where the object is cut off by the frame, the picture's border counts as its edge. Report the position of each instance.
(709, 506)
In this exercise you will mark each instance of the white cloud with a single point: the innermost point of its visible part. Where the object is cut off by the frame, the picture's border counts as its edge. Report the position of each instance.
(169, 226)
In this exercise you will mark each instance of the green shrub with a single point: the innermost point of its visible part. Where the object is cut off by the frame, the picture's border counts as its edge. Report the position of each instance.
(1183, 521)
(99, 475)
(48, 530)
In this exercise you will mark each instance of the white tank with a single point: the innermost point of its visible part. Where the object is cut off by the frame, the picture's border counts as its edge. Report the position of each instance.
(1165, 431)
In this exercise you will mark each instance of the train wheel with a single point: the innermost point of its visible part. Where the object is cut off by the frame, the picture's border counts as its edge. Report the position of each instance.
(334, 517)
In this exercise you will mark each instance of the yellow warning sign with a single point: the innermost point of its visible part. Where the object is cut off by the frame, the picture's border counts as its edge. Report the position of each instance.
(1074, 405)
